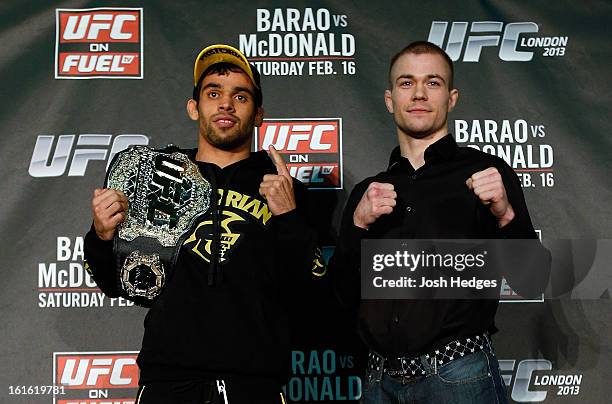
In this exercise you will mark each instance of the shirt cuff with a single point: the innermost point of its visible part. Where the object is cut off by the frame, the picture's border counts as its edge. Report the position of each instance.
(96, 245)
(352, 237)
(287, 218)
(516, 229)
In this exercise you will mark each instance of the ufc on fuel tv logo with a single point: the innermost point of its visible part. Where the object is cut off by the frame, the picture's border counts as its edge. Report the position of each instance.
(73, 152)
(312, 148)
(95, 377)
(99, 43)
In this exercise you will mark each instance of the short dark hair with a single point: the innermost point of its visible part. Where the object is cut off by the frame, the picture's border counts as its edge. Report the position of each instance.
(423, 47)
(224, 68)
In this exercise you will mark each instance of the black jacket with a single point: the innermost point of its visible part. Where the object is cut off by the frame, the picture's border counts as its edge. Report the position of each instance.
(239, 326)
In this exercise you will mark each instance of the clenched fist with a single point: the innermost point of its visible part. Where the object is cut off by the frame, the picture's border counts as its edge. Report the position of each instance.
(277, 189)
(488, 186)
(377, 200)
(109, 208)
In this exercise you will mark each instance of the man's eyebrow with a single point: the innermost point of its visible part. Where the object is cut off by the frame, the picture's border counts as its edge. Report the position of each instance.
(429, 76)
(234, 89)
(435, 76)
(243, 89)
(212, 85)
(404, 76)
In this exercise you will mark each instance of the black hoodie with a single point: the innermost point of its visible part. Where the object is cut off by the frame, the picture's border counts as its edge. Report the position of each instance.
(239, 325)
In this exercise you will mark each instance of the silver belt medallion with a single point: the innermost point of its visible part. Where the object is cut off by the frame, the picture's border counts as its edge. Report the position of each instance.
(166, 194)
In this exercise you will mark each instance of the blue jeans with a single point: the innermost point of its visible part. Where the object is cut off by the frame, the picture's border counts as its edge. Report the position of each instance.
(474, 379)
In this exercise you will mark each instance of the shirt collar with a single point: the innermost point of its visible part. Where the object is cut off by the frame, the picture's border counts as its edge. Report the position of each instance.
(441, 149)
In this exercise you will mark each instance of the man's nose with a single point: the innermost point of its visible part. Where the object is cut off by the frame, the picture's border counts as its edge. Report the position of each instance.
(420, 92)
(226, 103)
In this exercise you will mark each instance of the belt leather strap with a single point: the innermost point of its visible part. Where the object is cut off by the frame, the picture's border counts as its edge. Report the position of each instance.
(409, 367)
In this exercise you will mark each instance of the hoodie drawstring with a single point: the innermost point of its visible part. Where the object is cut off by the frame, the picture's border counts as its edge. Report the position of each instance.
(215, 274)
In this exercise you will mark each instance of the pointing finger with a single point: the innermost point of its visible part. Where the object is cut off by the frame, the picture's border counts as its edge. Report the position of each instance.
(281, 166)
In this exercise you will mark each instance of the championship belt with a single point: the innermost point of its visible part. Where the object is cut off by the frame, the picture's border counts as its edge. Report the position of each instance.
(167, 194)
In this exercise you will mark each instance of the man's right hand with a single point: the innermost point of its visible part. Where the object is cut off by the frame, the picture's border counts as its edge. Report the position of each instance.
(377, 200)
(109, 209)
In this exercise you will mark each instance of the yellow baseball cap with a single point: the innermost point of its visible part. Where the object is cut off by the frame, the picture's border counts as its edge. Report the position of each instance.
(218, 53)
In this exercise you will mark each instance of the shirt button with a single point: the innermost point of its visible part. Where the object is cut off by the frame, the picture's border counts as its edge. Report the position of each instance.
(408, 209)
(396, 319)
(413, 176)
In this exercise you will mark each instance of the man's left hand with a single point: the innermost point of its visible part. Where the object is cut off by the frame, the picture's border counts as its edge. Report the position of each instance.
(488, 186)
(277, 189)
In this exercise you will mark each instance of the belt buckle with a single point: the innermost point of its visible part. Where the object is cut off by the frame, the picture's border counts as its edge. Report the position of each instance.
(166, 194)
(410, 368)
(399, 375)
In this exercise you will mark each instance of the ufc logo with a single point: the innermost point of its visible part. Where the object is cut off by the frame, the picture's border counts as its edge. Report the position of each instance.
(100, 372)
(524, 370)
(99, 25)
(88, 147)
(89, 26)
(300, 138)
(484, 36)
(166, 200)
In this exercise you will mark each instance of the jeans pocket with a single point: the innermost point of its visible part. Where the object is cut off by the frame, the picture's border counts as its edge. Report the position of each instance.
(470, 368)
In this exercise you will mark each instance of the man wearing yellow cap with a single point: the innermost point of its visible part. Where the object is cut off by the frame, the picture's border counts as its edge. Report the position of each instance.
(218, 332)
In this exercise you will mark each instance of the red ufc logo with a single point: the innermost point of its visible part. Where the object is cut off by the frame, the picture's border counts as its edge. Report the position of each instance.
(99, 371)
(101, 25)
(299, 136)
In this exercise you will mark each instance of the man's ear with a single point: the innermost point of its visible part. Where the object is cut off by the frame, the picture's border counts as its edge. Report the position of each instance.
(192, 109)
(452, 99)
(259, 115)
(389, 101)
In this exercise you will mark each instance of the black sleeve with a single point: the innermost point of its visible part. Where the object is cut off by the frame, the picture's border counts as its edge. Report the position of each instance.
(100, 263)
(527, 263)
(521, 226)
(344, 264)
(298, 252)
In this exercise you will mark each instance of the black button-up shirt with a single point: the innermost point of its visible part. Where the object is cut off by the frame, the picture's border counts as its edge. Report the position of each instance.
(432, 202)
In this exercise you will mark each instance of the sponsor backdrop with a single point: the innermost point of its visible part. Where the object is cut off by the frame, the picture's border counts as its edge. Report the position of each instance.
(82, 80)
